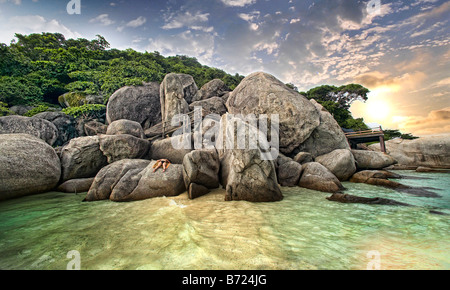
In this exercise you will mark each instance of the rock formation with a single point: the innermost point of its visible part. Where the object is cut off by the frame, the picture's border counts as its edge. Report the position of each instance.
(327, 137)
(372, 160)
(176, 93)
(131, 180)
(140, 104)
(28, 165)
(261, 93)
(431, 152)
(340, 162)
(37, 127)
(315, 176)
(126, 127)
(245, 173)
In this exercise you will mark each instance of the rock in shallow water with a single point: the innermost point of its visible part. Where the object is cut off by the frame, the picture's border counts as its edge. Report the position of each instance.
(130, 180)
(315, 176)
(245, 174)
(28, 165)
(372, 160)
(76, 185)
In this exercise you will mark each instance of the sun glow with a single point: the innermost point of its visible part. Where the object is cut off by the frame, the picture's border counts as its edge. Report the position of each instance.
(377, 109)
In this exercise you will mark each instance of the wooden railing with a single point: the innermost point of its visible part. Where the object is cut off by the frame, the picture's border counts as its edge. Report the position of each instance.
(367, 133)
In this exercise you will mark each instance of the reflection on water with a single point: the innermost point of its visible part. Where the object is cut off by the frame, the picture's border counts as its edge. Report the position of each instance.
(304, 231)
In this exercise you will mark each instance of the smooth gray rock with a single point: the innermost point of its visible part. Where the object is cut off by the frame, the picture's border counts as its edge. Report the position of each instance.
(118, 147)
(126, 127)
(164, 149)
(431, 152)
(76, 185)
(327, 137)
(245, 174)
(28, 165)
(94, 127)
(140, 104)
(201, 167)
(214, 88)
(37, 127)
(151, 184)
(261, 93)
(315, 176)
(65, 124)
(214, 105)
(82, 158)
(131, 180)
(196, 190)
(110, 175)
(372, 160)
(176, 93)
(303, 157)
(289, 173)
(340, 162)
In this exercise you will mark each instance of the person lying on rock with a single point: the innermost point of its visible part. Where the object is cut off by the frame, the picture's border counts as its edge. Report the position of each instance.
(161, 162)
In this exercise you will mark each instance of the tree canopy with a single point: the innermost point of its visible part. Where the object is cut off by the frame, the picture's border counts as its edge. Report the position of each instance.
(40, 67)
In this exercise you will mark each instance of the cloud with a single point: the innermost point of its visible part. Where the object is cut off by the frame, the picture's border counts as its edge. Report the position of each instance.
(103, 19)
(185, 19)
(238, 3)
(17, 2)
(437, 122)
(33, 24)
(141, 20)
(137, 22)
(378, 79)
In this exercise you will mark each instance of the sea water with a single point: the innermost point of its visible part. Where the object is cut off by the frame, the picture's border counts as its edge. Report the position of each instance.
(303, 231)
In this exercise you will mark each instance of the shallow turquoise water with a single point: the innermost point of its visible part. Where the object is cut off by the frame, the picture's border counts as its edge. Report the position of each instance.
(304, 231)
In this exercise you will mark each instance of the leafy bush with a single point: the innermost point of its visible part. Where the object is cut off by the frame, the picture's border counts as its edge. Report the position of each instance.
(4, 111)
(86, 111)
(37, 110)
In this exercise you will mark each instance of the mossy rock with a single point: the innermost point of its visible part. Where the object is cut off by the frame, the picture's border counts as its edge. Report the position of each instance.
(72, 99)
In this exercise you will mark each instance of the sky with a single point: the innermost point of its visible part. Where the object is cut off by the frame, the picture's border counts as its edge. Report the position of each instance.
(399, 50)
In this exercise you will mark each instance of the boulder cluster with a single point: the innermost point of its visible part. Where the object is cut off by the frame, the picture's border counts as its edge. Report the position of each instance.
(116, 158)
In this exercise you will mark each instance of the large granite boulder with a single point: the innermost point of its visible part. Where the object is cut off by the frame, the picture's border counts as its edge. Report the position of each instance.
(328, 136)
(126, 127)
(288, 171)
(303, 157)
(130, 180)
(214, 88)
(76, 185)
(261, 93)
(37, 127)
(140, 104)
(82, 158)
(94, 127)
(176, 93)
(340, 162)
(28, 165)
(165, 149)
(315, 176)
(66, 125)
(117, 147)
(246, 174)
(431, 152)
(110, 175)
(201, 168)
(214, 105)
(372, 160)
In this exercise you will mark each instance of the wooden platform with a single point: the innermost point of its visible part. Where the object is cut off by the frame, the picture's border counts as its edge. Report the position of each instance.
(366, 136)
